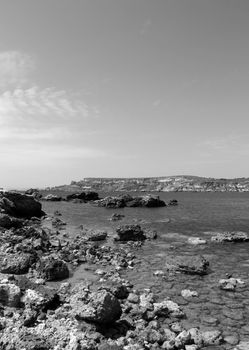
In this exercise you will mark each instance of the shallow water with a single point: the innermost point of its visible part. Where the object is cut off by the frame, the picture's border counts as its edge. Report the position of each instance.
(196, 215)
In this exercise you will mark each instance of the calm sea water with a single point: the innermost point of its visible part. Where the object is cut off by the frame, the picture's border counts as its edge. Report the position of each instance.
(200, 215)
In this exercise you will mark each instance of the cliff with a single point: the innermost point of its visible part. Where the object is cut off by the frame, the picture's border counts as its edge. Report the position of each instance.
(165, 184)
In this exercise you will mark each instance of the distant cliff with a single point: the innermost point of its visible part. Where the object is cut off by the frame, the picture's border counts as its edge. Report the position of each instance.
(164, 184)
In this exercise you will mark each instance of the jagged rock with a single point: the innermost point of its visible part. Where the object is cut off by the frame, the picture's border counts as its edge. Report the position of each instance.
(52, 198)
(53, 269)
(96, 235)
(102, 307)
(20, 205)
(10, 294)
(188, 264)
(234, 236)
(130, 233)
(16, 264)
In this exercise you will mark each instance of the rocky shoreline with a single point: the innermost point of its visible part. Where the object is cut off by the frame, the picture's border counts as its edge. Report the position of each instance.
(41, 310)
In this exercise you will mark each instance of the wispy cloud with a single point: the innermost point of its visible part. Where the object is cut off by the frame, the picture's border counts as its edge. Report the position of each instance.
(230, 145)
(15, 68)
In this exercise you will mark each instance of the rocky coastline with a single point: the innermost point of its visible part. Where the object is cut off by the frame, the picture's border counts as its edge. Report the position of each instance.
(41, 310)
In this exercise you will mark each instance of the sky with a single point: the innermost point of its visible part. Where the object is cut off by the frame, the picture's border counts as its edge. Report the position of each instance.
(122, 88)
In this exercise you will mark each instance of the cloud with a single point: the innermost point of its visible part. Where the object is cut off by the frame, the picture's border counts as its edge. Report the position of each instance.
(15, 69)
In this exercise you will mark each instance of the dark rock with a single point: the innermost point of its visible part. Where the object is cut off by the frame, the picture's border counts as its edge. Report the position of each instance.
(20, 205)
(188, 264)
(53, 269)
(130, 233)
(91, 196)
(102, 307)
(16, 264)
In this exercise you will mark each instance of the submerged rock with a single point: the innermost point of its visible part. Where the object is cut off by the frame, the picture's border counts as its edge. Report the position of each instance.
(130, 233)
(194, 265)
(234, 236)
(20, 205)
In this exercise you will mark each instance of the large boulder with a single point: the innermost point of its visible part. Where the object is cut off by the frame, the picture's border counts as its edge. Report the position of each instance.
(52, 269)
(130, 233)
(16, 264)
(20, 205)
(194, 265)
(233, 236)
(102, 307)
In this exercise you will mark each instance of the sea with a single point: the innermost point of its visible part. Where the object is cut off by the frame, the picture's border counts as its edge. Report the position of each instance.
(196, 215)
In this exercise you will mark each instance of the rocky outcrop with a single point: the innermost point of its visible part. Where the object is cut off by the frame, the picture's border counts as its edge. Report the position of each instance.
(234, 236)
(147, 201)
(19, 205)
(130, 233)
(84, 196)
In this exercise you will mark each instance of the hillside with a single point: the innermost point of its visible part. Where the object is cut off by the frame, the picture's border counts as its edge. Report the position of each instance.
(179, 183)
